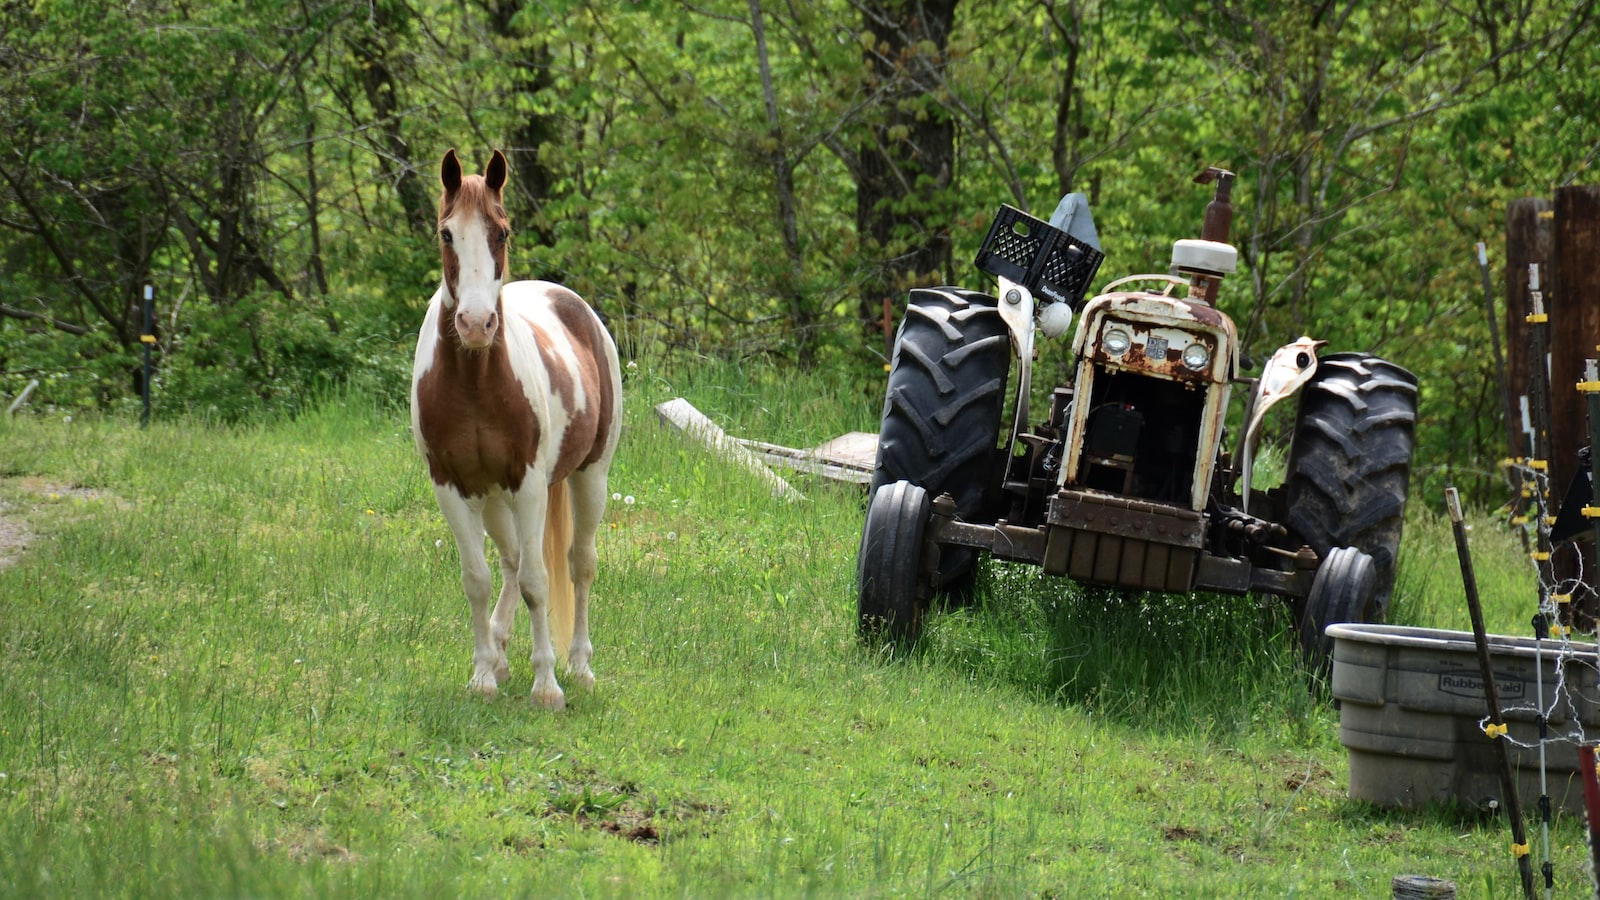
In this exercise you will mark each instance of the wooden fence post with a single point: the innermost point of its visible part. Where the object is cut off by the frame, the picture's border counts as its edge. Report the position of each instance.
(1529, 237)
(1574, 305)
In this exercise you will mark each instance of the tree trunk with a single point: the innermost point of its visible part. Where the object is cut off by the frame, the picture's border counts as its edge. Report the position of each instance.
(802, 320)
(532, 181)
(319, 273)
(907, 159)
(1528, 239)
(1063, 143)
(381, 85)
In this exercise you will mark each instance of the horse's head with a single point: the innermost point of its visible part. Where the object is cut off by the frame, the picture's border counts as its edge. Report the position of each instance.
(473, 230)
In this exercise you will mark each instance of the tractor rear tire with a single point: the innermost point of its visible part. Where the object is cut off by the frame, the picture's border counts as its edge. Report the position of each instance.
(1349, 467)
(890, 579)
(942, 412)
(1344, 591)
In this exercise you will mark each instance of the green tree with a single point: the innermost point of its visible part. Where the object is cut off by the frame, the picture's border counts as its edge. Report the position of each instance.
(904, 161)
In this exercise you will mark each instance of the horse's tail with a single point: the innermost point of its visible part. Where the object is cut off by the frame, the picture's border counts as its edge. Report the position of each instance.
(558, 572)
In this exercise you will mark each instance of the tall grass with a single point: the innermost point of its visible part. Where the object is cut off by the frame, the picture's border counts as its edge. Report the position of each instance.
(233, 663)
(1428, 587)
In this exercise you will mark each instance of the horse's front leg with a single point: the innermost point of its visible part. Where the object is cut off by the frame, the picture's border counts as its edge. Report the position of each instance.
(466, 523)
(529, 506)
(497, 518)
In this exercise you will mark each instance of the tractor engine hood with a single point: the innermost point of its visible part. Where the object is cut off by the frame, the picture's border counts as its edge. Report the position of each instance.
(1154, 334)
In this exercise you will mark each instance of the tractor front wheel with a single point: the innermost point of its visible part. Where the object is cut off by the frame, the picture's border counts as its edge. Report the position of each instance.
(1344, 591)
(892, 583)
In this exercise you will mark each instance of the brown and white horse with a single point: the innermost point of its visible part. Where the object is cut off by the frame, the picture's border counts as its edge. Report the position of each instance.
(516, 402)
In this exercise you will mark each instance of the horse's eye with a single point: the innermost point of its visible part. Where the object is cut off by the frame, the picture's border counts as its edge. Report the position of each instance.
(505, 235)
(445, 235)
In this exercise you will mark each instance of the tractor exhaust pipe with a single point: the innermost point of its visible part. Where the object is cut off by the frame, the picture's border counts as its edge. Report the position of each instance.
(1219, 212)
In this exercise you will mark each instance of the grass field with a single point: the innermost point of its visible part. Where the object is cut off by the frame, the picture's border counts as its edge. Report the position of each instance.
(234, 664)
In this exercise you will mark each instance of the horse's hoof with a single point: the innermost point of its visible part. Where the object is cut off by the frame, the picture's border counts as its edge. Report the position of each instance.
(487, 688)
(582, 680)
(552, 700)
(502, 671)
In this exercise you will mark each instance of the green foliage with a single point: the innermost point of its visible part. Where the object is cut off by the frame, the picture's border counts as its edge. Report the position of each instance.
(71, 375)
(249, 360)
(270, 169)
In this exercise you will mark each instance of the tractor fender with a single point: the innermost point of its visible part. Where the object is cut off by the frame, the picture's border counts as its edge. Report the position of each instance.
(1290, 367)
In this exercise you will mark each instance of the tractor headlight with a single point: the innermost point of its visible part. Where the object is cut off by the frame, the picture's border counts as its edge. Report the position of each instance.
(1116, 341)
(1196, 356)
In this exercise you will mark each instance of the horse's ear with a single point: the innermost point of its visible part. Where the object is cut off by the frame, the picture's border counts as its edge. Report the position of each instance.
(495, 177)
(450, 171)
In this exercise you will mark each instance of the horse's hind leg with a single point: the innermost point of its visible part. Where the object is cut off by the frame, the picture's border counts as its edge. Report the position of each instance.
(466, 524)
(588, 492)
(503, 531)
(528, 507)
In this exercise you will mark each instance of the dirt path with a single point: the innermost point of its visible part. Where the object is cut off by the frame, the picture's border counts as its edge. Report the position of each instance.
(21, 505)
(14, 534)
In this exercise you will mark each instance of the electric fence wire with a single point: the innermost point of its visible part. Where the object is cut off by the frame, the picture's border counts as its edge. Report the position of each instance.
(1567, 698)
(1539, 446)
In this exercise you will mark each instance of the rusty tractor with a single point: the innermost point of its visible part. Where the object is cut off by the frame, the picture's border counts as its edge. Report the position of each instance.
(1127, 480)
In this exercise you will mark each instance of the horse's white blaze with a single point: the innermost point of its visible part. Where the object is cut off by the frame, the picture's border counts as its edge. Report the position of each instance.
(477, 293)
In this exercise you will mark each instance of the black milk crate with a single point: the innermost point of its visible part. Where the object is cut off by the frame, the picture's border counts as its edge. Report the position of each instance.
(1038, 256)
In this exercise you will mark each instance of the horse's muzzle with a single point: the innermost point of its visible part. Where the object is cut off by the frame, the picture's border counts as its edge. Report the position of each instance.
(476, 332)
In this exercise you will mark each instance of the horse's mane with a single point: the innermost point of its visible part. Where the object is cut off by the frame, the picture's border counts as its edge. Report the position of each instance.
(473, 192)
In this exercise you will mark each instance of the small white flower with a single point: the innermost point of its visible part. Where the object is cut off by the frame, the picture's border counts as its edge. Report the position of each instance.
(672, 535)
(439, 543)
(67, 419)
(628, 500)
(632, 364)
(616, 496)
